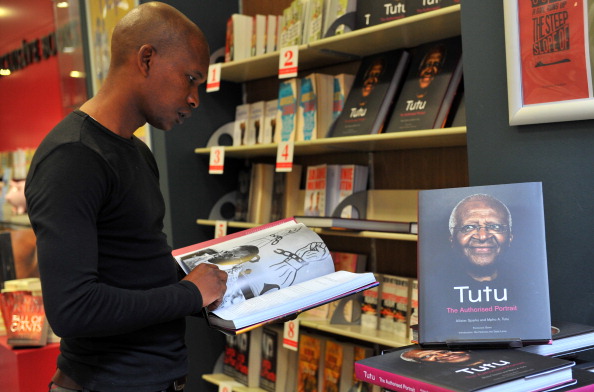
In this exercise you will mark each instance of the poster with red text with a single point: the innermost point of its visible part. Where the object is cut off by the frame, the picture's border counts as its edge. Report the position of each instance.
(553, 51)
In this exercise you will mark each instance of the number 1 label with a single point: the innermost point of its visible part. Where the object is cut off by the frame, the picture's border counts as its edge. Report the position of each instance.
(214, 78)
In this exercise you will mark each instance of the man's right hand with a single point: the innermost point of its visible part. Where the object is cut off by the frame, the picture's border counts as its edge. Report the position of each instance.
(212, 283)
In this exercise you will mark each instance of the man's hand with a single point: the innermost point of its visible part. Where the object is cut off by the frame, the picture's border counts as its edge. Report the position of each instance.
(212, 283)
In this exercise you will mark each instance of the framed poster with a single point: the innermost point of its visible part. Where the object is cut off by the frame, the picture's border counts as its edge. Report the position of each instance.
(549, 69)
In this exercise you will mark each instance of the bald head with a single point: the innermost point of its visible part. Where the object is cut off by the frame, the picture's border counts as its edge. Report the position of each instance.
(154, 23)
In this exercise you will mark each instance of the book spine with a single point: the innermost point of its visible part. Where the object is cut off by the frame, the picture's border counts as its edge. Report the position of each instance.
(393, 381)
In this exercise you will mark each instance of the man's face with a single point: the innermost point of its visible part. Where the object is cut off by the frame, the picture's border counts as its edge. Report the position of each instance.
(372, 79)
(173, 80)
(440, 356)
(430, 69)
(481, 233)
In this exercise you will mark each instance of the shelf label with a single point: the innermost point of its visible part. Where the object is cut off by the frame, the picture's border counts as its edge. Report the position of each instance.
(288, 62)
(220, 228)
(217, 160)
(227, 386)
(284, 156)
(213, 82)
(291, 335)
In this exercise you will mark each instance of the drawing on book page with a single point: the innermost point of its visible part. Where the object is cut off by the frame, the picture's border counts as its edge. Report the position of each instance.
(263, 264)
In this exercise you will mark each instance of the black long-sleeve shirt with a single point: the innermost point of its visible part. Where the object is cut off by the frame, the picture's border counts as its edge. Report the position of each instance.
(109, 282)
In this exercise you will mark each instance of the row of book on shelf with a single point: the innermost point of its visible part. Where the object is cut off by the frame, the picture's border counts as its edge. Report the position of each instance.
(306, 21)
(258, 359)
(400, 90)
(265, 195)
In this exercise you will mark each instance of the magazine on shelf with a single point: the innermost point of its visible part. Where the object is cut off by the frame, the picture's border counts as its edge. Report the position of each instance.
(274, 271)
(415, 369)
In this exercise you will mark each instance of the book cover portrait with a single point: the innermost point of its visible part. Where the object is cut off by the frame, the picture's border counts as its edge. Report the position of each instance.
(483, 266)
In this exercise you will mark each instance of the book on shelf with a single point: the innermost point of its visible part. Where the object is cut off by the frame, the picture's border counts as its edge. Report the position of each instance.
(321, 189)
(482, 267)
(274, 271)
(238, 42)
(584, 382)
(493, 370)
(353, 178)
(333, 222)
(370, 306)
(255, 123)
(315, 20)
(429, 88)
(315, 105)
(240, 126)
(311, 355)
(258, 42)
(413, 317)
(568, 338)
(260, 194)
(332, 365)
(458, 117)
(24, 319)
(242, 198)
(376, 83)
(394, 304)
(287, 114)
(272, 22)
(277, 362)
(248, 360)
(373, 12)
(415, 7)
(285, 194)
(270, 109)
(230, 356)
(349, 261)
(342, 87)
(339, 17)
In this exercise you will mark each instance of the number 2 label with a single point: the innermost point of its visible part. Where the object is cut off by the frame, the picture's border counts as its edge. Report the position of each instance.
(288, 62)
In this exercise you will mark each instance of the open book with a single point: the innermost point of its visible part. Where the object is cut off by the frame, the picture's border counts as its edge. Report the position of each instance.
(274, 271)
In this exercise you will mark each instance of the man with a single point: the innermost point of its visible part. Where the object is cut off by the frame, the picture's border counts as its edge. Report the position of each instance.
(480, 232)
(439, 356)
(110, 284)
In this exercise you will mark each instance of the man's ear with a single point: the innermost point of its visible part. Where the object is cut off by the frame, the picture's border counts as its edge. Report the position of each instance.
(145, 58)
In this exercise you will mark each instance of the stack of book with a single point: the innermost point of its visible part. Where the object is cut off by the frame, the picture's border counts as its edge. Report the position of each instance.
(484, 320)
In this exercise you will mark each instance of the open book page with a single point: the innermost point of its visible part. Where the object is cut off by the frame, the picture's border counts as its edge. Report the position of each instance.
(264, 261)
(295, 298)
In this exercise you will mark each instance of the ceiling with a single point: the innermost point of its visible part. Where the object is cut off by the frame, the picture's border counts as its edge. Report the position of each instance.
(24, 19)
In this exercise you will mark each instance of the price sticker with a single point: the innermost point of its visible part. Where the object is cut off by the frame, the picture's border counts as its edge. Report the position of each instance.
(291, 335)
(217, 160)
(288, 62)
(220, 228)
(284, 157)
(213, 83)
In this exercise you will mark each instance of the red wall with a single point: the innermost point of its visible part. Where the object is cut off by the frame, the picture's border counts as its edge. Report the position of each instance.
(30, 99)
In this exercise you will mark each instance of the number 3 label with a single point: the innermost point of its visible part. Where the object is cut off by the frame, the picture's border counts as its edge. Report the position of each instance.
(217, 160)
(288, 62)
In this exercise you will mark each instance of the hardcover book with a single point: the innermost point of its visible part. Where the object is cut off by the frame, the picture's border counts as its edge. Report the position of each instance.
(342, 87)
(430, 87)
(353, 179)
(394, 304)
(376, 83)
(370, 307)
(274, 271)
(278, 364)
(240, 127)
(311, 354)
(332, 222)
(414, 369)
(321, 189)
(568, 338)
(482, 267)
(333, 363)
(374, 12)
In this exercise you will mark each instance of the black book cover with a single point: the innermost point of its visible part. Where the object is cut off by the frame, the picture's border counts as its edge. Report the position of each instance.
(414, 369)
(374, 87)
(482, 267)
(374, 12)
(430, 86)
(415, 7)
(568, 338)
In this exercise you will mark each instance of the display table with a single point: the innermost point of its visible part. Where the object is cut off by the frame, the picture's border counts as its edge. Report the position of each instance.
(27, 369)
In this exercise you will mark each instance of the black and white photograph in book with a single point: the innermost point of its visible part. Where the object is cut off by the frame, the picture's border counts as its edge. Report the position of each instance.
(483, 277)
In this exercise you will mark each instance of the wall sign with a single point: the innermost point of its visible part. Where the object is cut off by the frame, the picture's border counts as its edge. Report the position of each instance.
(29, 53)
